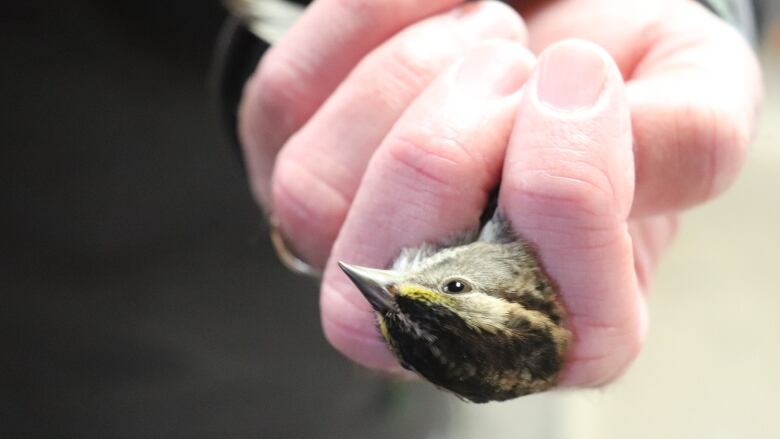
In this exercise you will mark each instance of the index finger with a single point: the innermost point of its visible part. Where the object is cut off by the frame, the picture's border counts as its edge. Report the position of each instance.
(307, 64)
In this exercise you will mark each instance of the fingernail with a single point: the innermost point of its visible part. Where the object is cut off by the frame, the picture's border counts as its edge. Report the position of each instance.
(466, 10)
(494, 70)
(571, 76)
(286, 255)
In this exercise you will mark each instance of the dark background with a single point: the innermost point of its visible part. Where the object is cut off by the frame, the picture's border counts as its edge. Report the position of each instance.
(139, 294)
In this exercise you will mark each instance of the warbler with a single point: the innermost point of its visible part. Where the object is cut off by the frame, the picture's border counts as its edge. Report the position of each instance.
(476, 315)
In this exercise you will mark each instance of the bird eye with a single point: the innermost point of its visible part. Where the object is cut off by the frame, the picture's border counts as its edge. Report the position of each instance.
(456, 286)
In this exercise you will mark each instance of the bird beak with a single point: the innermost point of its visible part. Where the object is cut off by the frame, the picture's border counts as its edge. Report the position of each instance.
(374, 284)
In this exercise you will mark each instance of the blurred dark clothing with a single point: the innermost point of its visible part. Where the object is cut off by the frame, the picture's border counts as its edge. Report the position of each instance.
(140, 295)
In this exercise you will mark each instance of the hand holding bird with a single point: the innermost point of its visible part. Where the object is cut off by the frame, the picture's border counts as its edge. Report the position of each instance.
(370, 133)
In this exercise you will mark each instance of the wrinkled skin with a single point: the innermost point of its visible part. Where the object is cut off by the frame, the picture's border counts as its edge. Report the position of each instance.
(377, 125)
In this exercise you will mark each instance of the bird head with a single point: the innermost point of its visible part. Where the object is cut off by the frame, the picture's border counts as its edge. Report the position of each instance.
(479, 319)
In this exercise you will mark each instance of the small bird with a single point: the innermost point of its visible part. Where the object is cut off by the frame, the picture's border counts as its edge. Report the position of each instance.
(475, 315)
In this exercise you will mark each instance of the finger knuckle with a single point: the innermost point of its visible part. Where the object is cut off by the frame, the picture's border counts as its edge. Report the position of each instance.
(278, 90)
(410, 62)
(729, 150)
(440, 164)
(577, 191)
(607, 348)
(304, 201)
(721, 138)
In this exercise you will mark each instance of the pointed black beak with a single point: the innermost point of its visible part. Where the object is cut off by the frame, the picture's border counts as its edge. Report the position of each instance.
(374, 284)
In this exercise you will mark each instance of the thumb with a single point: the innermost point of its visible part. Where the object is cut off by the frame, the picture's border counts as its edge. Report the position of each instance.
(568, 184)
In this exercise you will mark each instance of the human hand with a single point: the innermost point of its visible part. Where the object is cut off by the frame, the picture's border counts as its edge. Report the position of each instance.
(382, 158)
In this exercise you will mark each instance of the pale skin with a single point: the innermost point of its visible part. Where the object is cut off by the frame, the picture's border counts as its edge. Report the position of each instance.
(375, 125)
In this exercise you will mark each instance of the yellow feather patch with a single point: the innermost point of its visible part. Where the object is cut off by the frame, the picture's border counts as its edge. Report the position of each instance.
(383, 329)
(424, 295)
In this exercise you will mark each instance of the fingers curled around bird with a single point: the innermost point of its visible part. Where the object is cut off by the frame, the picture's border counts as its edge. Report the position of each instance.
(429, 178)
(318, 169)
(307, 64)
